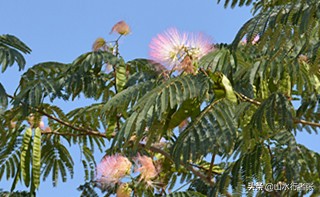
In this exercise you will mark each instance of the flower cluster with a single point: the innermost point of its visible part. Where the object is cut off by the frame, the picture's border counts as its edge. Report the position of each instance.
(112, 169)
(121, 28)
(146, 168)
(179, 51)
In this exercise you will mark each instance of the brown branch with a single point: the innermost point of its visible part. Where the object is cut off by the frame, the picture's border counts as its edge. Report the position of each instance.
(314, 124)
(204, 169)
(85, 131)
(88, 132)
(198, 173)
(250, 100)
(62, 134)
(151, 148)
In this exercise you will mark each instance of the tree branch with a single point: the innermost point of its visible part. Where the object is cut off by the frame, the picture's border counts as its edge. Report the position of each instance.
(88, 132)
(85, 131)
(247, 99)
(314, 124)
(63, 134)
(151, 148)
(296, 121)
(211, 166)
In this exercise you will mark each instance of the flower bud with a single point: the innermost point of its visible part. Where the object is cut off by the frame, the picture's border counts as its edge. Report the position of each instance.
(121, 28)
(98, 44)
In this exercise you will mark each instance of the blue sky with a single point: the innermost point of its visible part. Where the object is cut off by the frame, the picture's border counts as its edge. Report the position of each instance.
(61, 30)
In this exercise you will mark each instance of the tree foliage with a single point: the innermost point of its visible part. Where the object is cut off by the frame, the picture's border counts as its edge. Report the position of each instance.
(240, 106)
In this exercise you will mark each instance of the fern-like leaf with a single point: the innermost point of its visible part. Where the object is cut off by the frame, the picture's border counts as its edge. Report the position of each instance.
(277, 112)
(154, 105)
(56, 158)
(213, 130)
(87, 190)
(10, 51)
(3, 98)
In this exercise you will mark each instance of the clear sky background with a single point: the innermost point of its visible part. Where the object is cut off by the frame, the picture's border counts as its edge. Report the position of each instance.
(61, 30)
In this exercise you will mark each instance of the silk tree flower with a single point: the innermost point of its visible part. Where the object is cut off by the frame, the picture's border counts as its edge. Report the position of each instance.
(168, 48)
(199, 45)
(254, 41)
(121, 28)
(98, 44)
(31, 120)
(112, 169)
(42, 125)
(179, 51)
(146, 168)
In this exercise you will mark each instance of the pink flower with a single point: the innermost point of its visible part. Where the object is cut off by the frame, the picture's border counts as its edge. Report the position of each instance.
(98, 44)
(172, 47)
(254, 41)
(146, 168)
(121, 28)
(168, 48)
(41, 125)
(199, 45)
(111, 169)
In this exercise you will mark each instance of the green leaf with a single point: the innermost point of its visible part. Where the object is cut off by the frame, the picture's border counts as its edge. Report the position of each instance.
(235, 2)
(86, 75)
(221, 59)
(14, 42)
(16, 179)
(213, 130)
(87, 190)
(121, 76)
(141, 70)
(277, 111)
(222, 86)
(153, 107)
(124, 100)
(189, 108)
(3, 98)
(55, 159)
(40, 81)
(186, 194)
(10, 48)
(266, 157)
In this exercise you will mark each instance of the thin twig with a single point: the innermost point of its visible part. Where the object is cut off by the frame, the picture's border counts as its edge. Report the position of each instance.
(250, 100)
(204, 169)
(211, 167)
(89, 132)
(63, 134)
(86, 131)
(296, 121)
(314, 124)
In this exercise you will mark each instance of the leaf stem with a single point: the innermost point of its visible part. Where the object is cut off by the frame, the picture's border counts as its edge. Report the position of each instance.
(211, 167)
